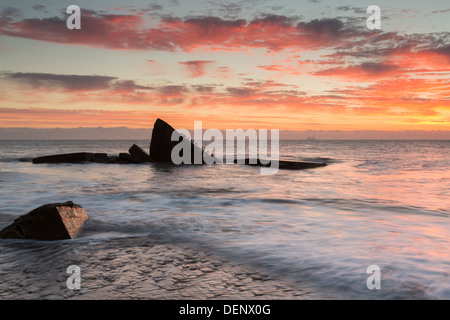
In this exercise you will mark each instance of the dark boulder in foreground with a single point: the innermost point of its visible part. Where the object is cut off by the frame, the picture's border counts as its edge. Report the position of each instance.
(55, 221)
(139, 155)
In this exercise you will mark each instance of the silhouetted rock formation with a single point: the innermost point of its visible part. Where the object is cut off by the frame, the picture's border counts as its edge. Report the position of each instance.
(73, 158)
(99, 157)
(67, 158)
(282, 164)
(127, 158)
(298, 165)
(55, 221)
(161, 144)
(139, 155)
(86, 157)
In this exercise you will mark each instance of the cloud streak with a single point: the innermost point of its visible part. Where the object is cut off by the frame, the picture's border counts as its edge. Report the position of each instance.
(120, 31)
(196, 68)
(72, 82)
(365, 71)
(62, 81)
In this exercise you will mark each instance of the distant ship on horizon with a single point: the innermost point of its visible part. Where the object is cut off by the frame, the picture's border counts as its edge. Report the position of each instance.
(311, 138)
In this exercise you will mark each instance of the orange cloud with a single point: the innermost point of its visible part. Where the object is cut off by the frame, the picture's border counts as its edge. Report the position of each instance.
(434, 59)
(405, 101)
(119, 31)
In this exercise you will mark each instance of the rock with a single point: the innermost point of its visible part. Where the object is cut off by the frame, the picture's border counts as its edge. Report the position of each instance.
(68, 158)
(299, 165)
(139, 155)
(108, 159)
(161, 144)
(126, 158)
(283, 164)
(99, 157)
(55, 221)
(78, 157)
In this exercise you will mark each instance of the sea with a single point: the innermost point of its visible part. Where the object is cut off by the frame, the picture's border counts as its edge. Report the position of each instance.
(372, 224)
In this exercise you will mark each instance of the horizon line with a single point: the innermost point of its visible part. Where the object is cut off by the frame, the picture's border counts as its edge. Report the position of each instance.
(284, 139)
(286, 130)
(126, 133)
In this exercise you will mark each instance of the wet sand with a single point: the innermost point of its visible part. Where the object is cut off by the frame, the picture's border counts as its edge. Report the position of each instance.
(142, 269)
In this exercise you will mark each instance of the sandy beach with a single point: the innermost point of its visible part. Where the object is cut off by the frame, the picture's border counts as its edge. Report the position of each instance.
(149, 269)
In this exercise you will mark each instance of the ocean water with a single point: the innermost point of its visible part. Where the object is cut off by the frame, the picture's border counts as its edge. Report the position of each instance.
(383, 203)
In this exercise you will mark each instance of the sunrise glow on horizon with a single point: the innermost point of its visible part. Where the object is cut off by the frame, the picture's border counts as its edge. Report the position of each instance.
(289, 65)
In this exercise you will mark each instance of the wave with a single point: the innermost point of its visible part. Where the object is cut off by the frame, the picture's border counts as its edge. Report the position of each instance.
(376, 205)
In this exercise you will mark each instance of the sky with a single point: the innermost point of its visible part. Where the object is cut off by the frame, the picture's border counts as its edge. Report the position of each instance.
(289, 65)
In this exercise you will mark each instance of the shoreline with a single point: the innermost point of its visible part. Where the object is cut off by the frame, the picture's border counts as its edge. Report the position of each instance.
(148, 270)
